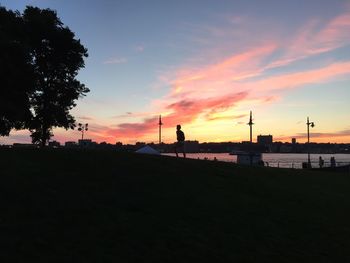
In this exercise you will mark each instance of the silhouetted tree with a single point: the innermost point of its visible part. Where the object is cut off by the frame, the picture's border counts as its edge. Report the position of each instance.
(39, 61)
(16, 73)
(56, 58)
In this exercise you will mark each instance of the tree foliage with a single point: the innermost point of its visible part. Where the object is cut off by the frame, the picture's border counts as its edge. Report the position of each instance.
(16, 73)
(53, 56)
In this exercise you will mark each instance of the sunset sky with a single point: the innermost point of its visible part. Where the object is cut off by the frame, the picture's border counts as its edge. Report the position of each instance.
(205, 65)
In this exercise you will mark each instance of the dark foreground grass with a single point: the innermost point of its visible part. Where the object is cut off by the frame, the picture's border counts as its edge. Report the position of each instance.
(102, 206)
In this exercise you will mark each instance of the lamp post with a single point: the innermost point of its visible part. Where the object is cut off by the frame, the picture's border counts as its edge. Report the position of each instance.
(82, 128)
(250, 123)
(160, 129)
(308, 124)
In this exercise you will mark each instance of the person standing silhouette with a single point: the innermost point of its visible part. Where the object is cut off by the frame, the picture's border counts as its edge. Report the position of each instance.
(180, 144)
(320, 162)
(333, 163)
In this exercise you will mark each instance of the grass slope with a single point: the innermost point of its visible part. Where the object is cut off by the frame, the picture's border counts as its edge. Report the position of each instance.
(102, 206)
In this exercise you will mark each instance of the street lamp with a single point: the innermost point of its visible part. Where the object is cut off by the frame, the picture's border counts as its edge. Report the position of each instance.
(312, 124)
(250, 123)
(82, 128)
(160, 129)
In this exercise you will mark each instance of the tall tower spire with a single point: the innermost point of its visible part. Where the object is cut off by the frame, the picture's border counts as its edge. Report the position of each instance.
(160, 129)
(250, 123)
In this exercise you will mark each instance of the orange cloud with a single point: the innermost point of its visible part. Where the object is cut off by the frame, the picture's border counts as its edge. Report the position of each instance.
(181, 112)
(229, 117)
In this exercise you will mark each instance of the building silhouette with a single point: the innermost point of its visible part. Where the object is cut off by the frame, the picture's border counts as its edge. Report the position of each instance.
(265, 139)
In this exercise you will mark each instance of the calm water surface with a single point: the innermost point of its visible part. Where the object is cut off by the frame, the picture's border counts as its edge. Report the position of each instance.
(283, 160)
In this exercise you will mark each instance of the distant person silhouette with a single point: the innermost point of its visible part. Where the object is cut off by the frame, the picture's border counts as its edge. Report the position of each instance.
(333, 164)
(320, 162)
(180, 144)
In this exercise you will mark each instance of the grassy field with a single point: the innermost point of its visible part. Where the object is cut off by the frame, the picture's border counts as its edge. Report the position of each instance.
(103, 206)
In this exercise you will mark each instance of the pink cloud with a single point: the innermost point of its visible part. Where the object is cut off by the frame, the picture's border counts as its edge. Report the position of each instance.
(96, 131)
(315, 38)
(132, 131)
(298, 79)
(210, 80)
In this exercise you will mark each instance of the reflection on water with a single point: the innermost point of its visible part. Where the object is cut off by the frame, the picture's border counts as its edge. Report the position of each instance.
(282, 160)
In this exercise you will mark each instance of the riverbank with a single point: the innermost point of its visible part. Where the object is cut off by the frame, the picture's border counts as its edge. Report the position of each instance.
(102, 206)
(281, 160)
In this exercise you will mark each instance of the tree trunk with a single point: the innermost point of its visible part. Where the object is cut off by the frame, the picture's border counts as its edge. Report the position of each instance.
(43, 135)
(43, 142)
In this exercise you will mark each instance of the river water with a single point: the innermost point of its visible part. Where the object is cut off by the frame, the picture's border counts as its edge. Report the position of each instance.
(282, 160)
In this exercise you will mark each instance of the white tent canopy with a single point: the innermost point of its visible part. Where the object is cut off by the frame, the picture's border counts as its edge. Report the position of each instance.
(148, 150)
